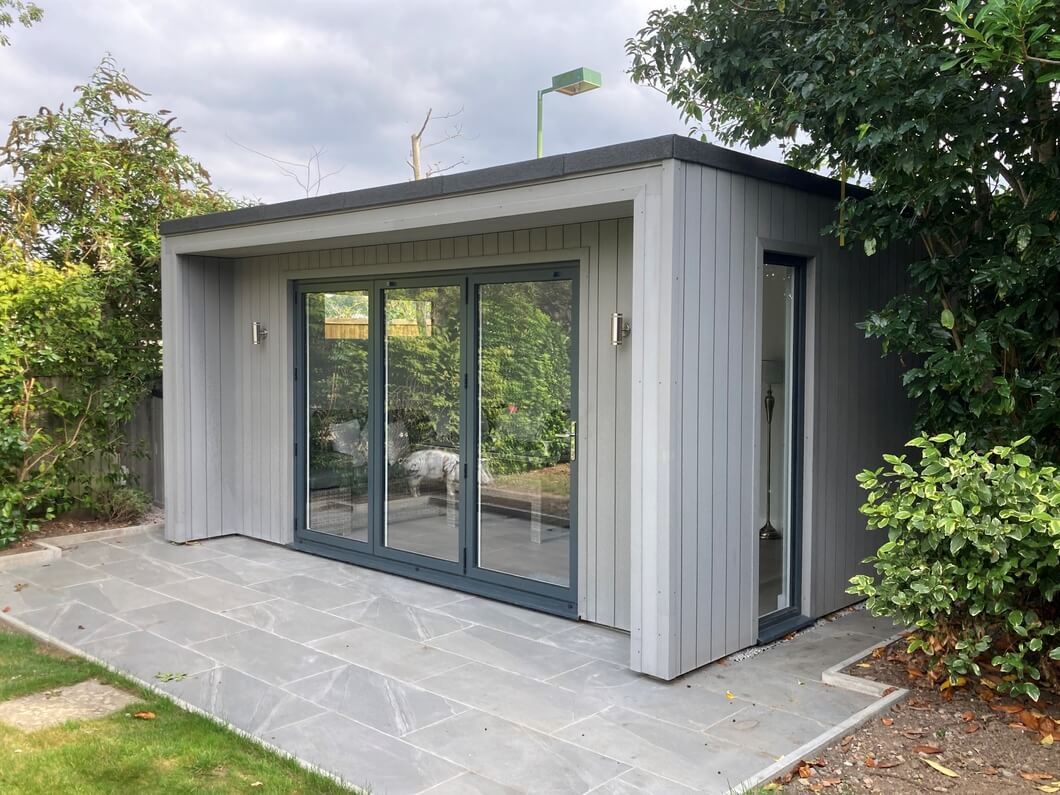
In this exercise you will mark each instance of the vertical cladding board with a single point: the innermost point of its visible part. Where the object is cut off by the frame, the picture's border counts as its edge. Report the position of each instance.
(856, 408)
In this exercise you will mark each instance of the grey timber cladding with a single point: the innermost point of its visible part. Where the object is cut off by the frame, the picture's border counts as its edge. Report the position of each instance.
(232, 408)
(854, 402)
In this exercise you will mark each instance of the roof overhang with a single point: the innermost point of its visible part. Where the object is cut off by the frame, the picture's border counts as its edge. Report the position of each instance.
(530, 172)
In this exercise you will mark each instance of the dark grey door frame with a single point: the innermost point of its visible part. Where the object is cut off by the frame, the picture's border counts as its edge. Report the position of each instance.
(464, 575)
(780, 622)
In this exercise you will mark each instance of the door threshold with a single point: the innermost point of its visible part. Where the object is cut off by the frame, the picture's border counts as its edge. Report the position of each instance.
(454, 582)
(772, 628)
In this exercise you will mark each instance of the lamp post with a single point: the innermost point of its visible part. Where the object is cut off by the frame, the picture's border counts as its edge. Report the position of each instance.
(576, 81)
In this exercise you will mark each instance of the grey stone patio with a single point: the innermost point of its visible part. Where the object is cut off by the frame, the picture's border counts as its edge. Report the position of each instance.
(406, 687)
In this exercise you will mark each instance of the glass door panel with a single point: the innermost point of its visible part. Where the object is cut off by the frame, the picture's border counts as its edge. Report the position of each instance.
(337, 339)
(779, 384)
(526, 432)
(421, 419)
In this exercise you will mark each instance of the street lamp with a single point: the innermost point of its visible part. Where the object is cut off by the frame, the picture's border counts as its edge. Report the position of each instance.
(576, 81)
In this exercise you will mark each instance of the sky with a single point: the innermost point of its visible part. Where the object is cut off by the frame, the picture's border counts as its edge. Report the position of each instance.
(352, 77)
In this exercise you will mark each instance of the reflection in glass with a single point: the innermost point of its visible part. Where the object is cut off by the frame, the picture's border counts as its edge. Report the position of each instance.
(422, 423)
(525, 418)
(775, 474)
(337, 393)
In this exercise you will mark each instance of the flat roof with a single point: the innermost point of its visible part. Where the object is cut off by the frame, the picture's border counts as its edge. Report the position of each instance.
(633, 153)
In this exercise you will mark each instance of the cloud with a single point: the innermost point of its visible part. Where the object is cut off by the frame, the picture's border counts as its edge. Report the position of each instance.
(354, 77)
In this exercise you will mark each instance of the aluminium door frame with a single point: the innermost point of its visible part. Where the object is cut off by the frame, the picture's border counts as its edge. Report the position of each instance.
(374, 553)
(778, 623)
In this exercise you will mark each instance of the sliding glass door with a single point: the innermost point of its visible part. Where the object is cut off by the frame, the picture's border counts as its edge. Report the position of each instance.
(438, 420)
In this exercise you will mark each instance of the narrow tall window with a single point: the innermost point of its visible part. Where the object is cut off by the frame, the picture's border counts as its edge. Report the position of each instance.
(777, 417)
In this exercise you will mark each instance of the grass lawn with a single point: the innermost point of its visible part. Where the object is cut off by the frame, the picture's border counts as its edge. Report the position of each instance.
(177, 752)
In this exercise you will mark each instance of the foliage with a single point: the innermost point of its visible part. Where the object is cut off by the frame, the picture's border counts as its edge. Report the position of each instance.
(11, 11)
(79, 230)
(55, 374)
(949, 112)
(972, 557)
(113, 498)
(525, 388)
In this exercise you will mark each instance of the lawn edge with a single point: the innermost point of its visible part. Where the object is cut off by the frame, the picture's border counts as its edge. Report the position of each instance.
(184, 705)
(886, 695)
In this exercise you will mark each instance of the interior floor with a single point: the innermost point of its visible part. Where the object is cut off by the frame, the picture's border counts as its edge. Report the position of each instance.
(509, 541)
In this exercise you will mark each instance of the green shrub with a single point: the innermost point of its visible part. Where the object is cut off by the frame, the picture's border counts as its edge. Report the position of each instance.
(113, 498)
(971, 558)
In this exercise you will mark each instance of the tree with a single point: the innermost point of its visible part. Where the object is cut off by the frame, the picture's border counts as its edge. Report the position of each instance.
(91, 183)
(12, 11)
(949, 112)
(417, 146)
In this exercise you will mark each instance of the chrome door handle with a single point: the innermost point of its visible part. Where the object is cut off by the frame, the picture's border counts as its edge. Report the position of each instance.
(573, 437)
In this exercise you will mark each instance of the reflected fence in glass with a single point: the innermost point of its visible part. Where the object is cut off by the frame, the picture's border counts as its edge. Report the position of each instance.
(337, 339)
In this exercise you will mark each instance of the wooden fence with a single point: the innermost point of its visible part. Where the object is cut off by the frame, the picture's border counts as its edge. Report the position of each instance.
(143, 450)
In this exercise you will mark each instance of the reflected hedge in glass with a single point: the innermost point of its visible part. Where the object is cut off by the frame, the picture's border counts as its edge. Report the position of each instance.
(337, 339)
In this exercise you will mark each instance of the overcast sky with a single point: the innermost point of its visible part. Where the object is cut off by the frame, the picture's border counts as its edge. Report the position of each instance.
(352, 76)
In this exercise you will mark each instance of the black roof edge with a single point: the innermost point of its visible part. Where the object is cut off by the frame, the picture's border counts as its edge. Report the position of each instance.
(647, 150)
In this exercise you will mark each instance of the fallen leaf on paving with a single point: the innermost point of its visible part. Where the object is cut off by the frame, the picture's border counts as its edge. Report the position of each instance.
(940, 768)
(887, 721)
(20, 586)
(730, 695)
(6, 609)
(926, 749)
(1009, 708)
(1037, 776)
(888, 690)
(805, 771)
(144, 715)
(846, 741)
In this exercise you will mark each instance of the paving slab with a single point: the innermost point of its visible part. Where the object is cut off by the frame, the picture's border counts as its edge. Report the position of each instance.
(675, 702)
(76, 623)
(266, 656)
(115, 596)
(516, 756)
(87, 700)
(401, 618)
(240, 571)
(146, 656)
(382, 702)
(181, 622)
(142, 571)
(509, 652)
(520, 699)
(95, 553)
(213, 594)
(18, 595)
(641, 782)
(290, 620)
(506, 618)
(310, 591)
(667, 750)
(245, 702)
(389, 654)
(362, 756)
(58, 574)
(601, 643)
